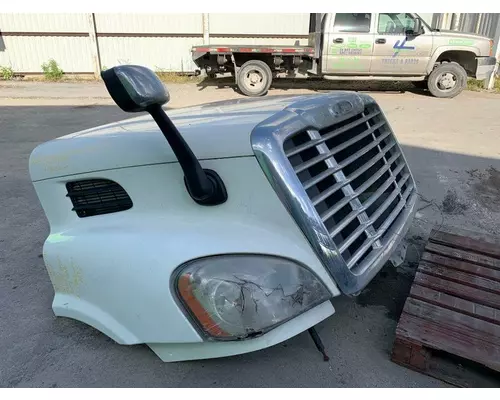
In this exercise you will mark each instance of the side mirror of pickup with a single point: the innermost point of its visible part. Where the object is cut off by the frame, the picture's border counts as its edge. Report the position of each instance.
(134, 89)
(417, 28)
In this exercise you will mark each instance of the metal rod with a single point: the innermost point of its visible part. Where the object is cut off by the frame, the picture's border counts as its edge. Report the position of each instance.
(319, 344)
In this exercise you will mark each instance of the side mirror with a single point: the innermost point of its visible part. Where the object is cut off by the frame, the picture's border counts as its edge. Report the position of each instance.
(134, 89)
(417, 28)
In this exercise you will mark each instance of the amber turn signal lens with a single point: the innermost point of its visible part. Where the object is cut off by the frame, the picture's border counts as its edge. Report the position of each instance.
(243, 296)
(186, 292)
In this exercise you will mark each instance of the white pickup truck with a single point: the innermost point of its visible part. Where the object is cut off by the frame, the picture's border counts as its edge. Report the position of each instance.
(359, 46)
(226, 228)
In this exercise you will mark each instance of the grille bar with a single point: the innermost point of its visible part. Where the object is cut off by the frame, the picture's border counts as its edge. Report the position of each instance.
(338, 148)
(86, 192)
(355, 195)
(366, 205)
(348, 180)
(360, 153)
(344, 245)
(364, 248)
(365, 150)
(318, 178)
(331, 135)
(116, 203)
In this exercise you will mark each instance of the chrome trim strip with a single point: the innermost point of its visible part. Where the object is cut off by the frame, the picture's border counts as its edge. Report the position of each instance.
(332, 134)
(316, 113)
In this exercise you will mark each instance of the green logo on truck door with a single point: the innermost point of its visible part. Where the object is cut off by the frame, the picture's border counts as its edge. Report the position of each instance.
(461, 42)
(352, 48)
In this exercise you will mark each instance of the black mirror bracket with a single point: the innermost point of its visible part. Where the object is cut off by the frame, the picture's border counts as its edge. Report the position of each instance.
(204, 186)
(218, 193)
(135, 89)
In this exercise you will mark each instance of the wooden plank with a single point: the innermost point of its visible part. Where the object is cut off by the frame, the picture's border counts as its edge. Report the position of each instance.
(458, 290)
(461, 265)
(453, 321)
(463, 278)
(473, 242)
(432, 335)
(467, 307)
(462, 255)
(410, 354)
(478, 236)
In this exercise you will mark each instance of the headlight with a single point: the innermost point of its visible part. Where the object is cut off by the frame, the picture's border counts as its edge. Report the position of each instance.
(239, 296)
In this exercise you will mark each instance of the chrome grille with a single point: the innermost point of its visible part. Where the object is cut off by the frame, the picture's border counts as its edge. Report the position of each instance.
(356, 177)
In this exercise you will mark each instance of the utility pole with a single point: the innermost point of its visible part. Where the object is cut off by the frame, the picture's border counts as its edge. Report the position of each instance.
(94, 47)
(206, 28)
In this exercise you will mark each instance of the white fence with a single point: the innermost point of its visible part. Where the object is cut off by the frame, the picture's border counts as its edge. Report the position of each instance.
(84, 43)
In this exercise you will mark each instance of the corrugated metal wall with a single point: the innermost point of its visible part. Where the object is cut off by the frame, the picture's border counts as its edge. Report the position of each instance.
(159, 41)
(28, 40)
(485, 24)
(149, 23)
(279, 24)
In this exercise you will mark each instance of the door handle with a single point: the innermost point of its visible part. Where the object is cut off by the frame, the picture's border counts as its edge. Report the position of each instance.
(380, 41)
(339, 40)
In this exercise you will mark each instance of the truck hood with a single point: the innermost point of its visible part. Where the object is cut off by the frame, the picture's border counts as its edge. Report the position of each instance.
(460, 35)
(215, 130)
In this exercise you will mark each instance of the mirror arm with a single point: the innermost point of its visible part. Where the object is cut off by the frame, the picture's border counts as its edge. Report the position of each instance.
(203, 185)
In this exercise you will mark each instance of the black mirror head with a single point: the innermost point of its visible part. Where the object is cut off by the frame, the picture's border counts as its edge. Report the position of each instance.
(417, 28)
(134, 88)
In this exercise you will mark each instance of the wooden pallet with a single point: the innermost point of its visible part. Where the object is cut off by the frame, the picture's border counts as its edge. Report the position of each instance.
(454, 303)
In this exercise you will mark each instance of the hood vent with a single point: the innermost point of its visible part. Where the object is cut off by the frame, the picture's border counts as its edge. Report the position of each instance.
(97, 196)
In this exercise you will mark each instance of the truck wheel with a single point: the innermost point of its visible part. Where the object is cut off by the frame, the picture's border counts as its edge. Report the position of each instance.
(448, 79)
(254, 78)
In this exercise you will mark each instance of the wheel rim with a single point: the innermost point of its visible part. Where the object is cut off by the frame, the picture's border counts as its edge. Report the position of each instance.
(446, 81)
(255, 80)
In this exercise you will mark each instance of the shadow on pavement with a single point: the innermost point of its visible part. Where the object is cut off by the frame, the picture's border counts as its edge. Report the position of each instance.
(320, 85)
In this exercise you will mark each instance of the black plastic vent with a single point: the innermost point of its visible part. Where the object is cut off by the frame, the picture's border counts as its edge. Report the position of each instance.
(97, 196)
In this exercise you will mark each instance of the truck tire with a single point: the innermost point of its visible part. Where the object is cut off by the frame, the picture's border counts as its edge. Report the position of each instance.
(254, 78)
(447, 80)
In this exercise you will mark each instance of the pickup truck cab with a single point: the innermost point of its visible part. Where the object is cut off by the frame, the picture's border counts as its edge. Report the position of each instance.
(359, 46)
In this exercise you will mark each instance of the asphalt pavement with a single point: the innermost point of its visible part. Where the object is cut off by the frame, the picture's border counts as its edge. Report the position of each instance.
(40, 350)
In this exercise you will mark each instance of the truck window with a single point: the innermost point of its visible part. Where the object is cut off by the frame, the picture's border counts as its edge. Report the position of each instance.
(394, 23)
(359, 22)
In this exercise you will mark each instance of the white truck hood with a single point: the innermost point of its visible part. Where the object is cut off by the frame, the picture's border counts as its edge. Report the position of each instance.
(215, 130)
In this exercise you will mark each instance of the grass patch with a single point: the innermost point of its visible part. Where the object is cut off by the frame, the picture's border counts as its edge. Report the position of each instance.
(52, 71)
(175, 77)
(477, 86)
(7, 73)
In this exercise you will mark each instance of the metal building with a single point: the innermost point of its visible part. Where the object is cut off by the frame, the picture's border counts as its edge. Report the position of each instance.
(85, 43)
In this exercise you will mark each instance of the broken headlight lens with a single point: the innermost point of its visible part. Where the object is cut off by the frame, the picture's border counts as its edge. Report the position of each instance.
(240, 296)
